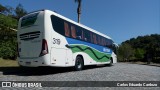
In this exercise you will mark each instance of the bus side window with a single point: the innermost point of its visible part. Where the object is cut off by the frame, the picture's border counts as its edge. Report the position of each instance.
(79, 34)
(73, 32)
(102, 41)
(99, 40)
(85, 36)
(82, 34)
(88, 36)
(91, 37)
(105, 42)
(66, 28)
(94, 38)
(109, 43)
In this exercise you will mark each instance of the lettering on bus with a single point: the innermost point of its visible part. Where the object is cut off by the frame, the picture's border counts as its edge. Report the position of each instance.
(56, 41)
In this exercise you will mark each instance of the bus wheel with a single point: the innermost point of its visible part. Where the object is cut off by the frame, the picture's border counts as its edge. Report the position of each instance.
(111, 62)
(79, 63)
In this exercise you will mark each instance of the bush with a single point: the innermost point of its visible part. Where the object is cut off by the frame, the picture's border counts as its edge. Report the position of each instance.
(8, 49)
(8, 37)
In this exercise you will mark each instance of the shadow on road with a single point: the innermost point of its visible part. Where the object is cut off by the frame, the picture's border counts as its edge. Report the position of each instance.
(33, 71)
(39, 71)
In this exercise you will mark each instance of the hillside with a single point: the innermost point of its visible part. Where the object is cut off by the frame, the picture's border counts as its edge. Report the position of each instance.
(141, 48)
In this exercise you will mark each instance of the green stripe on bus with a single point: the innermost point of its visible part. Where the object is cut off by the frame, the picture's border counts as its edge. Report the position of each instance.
(94, 54)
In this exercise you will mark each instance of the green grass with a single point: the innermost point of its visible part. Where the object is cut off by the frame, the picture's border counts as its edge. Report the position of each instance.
(8, 63)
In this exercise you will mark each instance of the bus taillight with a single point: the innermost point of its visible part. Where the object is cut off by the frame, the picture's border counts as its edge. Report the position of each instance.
(44, 49)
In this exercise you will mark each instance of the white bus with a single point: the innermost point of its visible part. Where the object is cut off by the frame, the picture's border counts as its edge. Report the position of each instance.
(46, 38)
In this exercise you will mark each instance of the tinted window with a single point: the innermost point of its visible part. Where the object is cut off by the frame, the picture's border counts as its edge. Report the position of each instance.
(91, 37)
(87, 36)
(95, 38)
(73, 32)
(67, 29)
(79, 34)
(29, 20)
(109, 43)
(114, 49)
(99, 39)
(58, 24)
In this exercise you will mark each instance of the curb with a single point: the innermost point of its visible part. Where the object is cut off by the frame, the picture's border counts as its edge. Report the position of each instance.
(157, 65)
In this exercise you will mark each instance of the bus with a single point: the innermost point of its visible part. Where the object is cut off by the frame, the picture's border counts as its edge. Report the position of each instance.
(46, 38)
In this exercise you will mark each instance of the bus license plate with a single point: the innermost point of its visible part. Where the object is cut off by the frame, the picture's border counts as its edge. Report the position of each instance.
(28, 63)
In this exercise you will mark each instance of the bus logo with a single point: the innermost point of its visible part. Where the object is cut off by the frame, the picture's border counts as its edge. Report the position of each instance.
(106, 50)
(6, 84)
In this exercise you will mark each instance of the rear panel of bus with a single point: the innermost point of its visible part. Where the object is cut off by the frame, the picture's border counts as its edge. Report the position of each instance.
(32, 44)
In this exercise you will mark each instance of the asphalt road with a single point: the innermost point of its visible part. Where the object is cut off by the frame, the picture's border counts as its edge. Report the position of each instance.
(117, 72)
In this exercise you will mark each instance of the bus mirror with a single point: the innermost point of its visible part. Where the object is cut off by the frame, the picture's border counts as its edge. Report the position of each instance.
(67, 46)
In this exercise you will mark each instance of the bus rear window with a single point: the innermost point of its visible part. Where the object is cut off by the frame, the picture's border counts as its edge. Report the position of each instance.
(29, 20)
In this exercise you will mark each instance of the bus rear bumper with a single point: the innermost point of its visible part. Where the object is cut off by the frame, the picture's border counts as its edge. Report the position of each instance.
(31, 62)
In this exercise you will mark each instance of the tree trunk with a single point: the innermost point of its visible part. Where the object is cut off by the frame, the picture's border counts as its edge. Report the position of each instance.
(79, 10)
(78, 17)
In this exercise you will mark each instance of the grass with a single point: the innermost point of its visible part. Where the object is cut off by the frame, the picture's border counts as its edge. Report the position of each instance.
(8, 63)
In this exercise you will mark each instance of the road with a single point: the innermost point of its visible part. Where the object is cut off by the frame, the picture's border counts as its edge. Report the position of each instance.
(117, 72)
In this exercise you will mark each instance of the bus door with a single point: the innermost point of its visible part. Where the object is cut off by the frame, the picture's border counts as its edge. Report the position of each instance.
(69, 58)
(58, 56)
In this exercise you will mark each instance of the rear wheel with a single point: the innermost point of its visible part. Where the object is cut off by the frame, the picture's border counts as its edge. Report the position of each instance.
(79, 63)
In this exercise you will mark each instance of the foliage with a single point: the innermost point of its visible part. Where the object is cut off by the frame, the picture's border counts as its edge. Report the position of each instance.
(20, 11)
(2, 8)
(125, 52)
(139, 53)
(8, 49)
(143, 46)
(8, 36)
(7, 22)
(16, 13)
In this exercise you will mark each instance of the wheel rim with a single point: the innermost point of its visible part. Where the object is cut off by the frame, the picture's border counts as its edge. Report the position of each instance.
(79, 65)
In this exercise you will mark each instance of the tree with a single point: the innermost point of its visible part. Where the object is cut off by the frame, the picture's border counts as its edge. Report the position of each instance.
(146, 45)
(139, 53)
(6, 10)
(20, 11)
(125, 52)
(9, 11)
(6, 24)
(79, 9)
(8, 49)
(2, 8)
(7, 37)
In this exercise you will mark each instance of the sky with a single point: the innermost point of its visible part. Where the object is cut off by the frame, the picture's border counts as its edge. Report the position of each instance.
(119, 19)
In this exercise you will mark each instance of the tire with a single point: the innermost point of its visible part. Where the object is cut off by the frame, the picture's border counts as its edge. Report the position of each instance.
(111, 62)
(79, 63)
